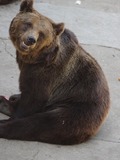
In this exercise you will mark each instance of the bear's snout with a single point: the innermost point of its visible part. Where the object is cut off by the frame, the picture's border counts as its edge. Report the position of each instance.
(30, 41)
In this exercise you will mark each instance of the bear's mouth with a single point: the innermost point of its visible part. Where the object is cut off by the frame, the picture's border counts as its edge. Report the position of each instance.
(24, 46)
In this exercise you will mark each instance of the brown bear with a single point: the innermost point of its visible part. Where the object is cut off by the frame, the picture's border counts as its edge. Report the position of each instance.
(64, 94)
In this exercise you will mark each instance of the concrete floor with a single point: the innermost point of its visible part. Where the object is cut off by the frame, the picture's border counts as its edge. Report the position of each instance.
(96, 24)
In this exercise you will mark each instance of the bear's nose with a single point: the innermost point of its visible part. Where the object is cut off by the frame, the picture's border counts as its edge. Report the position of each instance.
(31, 40)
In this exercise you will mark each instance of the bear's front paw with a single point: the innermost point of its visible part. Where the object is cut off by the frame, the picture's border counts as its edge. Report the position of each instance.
(2, 100)
(15, 98)
(4, 106)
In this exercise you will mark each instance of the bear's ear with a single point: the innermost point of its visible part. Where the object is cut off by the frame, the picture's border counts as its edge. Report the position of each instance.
(26, 6)
(59, 28)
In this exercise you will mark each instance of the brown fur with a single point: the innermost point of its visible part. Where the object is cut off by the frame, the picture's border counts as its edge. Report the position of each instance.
(6, 1)
(64, 94)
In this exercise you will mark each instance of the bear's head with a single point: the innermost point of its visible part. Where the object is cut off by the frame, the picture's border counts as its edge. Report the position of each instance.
(31, 32)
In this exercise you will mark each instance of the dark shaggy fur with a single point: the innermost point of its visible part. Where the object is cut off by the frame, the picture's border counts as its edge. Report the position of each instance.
(6, 1)
(64, 94)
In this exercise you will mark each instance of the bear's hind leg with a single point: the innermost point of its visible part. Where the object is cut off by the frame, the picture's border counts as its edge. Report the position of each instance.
(51, 127)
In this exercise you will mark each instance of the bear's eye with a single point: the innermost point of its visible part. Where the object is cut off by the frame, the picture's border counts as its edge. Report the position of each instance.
(41, 35)
(26, 26)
